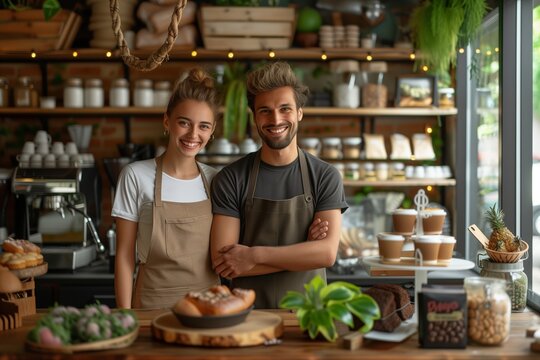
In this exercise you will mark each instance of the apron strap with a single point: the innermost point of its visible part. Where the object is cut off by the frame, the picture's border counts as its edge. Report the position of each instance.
(254, 173)
(157, 185)
(204, 180)
(306, 184)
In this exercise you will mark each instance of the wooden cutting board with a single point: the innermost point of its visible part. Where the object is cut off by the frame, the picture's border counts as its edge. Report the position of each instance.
(258, 328)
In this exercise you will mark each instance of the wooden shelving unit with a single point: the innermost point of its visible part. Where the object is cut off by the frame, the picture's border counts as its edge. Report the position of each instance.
(307, 54)
(157, 111)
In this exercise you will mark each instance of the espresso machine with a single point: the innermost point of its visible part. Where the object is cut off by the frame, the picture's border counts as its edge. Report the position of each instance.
(61, 209)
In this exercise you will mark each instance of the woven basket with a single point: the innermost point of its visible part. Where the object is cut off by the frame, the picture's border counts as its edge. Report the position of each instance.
(508, 257)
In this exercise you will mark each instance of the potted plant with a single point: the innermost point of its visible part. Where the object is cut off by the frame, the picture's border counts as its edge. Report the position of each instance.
(321, 305)
(50, 7)
(236, 113)
(439, 27)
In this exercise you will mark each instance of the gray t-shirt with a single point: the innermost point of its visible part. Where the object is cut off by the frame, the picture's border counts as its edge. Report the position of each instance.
(229, 188)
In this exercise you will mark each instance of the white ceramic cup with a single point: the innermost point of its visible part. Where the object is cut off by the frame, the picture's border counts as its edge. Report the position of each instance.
(62, 161)
(42, 137)
(42, 148)
(71, 148)
(29, 147)
(49, 161)
(76, 160)
(36, 161)
(57, 148)
(24, 160)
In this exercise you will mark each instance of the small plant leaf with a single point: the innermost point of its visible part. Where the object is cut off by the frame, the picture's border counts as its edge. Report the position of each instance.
(324, 323)
(338, 284)
(313, 290)
(292, 300)
(50, 8)
(365, 309)
(304, 317)
(335, 293)
(341, 313)
(312, 330)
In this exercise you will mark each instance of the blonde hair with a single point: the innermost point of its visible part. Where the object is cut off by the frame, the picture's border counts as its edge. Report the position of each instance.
(198, 86)
(272, 76)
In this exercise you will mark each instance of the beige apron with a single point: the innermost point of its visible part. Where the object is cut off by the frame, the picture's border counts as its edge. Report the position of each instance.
(277, 223)
(175, 258)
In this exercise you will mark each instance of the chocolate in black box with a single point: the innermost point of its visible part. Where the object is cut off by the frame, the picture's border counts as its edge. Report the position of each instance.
(442, 321)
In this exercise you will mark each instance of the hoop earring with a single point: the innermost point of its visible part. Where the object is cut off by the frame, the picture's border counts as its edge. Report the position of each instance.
(166, 132)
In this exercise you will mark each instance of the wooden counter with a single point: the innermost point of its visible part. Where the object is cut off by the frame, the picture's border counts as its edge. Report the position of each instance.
(294, 346)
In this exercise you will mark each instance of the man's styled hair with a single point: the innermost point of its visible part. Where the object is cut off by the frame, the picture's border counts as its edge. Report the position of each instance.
(272, 76)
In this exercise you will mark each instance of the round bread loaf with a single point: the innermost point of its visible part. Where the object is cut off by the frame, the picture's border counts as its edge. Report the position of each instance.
(218, 300)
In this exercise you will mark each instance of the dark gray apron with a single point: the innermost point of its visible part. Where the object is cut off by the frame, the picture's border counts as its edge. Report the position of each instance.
(277, 223)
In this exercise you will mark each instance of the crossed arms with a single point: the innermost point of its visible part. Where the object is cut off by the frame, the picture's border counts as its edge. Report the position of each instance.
(230, 259)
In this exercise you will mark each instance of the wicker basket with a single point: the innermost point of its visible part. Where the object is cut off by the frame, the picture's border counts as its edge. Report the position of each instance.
(508, 257)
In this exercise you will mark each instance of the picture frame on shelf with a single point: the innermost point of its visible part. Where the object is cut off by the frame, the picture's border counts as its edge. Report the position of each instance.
(416, 91)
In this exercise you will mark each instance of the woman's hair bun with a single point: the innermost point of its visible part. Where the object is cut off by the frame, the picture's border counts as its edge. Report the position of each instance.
(198, 75)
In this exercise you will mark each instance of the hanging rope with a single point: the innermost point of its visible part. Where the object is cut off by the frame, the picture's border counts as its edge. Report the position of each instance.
(157, 57)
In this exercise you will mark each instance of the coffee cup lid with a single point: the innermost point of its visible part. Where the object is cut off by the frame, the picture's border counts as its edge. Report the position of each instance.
(405, 212)
(433, 211)
(390, 237)
(447, 239)
(428, 239)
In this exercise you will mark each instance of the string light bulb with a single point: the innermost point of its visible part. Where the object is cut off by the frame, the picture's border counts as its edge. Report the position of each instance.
(230, 54)
(75, 54)
(369, 57)
(413, 157)
(496, 49)
(271, 54)
(477, 51)
(412, 56)
(461, 50)
(425, 68)
(429, 129)
(324, 56)
(429, 188)
(33, 54)
(194, 53)
(108, 54)
(488, 53)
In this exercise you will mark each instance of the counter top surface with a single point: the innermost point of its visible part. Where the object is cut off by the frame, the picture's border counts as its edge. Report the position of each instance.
(294, 346)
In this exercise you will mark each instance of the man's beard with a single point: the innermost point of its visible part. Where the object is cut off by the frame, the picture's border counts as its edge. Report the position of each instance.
(281, 143)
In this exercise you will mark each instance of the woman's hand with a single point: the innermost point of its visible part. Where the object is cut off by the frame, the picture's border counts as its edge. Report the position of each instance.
(318, 230)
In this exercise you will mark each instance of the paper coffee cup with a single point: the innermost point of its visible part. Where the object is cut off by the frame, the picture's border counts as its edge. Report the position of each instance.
(404, 220)
(432, 221)
(428, 247)
(446, 249)
(390, 246)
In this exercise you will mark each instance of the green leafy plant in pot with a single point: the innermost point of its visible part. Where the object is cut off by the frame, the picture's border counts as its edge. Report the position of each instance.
(322, 304)
(50, 7)
(236, 113)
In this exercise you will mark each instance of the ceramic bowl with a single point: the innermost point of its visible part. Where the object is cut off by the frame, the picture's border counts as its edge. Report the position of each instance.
(210, 322)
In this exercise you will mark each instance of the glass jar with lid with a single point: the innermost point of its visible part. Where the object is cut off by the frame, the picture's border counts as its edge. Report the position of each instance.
(352, 171)
(369, 172)
(340, 168)
(311, 145)
(381, 171)
(93, 93)
(25, 94)
(331, 148)
(351, 147)
(398, 171)
(162, 93)
(73, 93)
(489, 310)
(119, 93)
(516, 280)
(4, 92)
(143, 94)
(446, 97)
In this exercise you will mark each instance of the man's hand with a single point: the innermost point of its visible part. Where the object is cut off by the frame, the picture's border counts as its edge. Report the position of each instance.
(234, 260)
(317, 230)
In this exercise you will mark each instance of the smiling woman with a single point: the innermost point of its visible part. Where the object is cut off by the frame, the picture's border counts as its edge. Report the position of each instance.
(162, 207)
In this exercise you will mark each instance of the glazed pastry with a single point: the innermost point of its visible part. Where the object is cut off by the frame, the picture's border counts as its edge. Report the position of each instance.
(218, 300)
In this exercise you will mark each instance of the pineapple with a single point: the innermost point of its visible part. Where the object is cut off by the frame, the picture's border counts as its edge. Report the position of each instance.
(501, 238)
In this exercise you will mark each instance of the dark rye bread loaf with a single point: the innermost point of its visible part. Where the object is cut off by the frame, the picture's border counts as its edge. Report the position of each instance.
(389, 320)
(401, 297)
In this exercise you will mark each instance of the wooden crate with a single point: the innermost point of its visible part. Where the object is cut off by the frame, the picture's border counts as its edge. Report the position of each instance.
(27, 30)
(246, 28)
(24, 299)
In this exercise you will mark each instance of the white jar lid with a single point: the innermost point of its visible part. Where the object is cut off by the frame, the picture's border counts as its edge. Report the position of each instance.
(351, 141)
(310, 141)
(369, 166)
(398, 166)
(381, 166)
(353, 166)
(339, 166)
(331, 141)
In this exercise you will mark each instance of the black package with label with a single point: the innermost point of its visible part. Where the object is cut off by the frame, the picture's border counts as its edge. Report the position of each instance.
(442, 318)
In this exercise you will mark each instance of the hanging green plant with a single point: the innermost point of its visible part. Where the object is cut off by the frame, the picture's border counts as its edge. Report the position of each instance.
(236, 113)
(439, 26)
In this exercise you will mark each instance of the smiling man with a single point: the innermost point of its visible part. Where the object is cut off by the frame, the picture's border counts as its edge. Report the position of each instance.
(264, 203)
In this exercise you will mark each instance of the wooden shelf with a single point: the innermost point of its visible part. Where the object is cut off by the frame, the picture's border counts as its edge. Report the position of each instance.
(401, 183)
(183, 53)
(157, 111)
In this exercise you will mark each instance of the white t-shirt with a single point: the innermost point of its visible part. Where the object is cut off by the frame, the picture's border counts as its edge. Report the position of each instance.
(135, 188)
